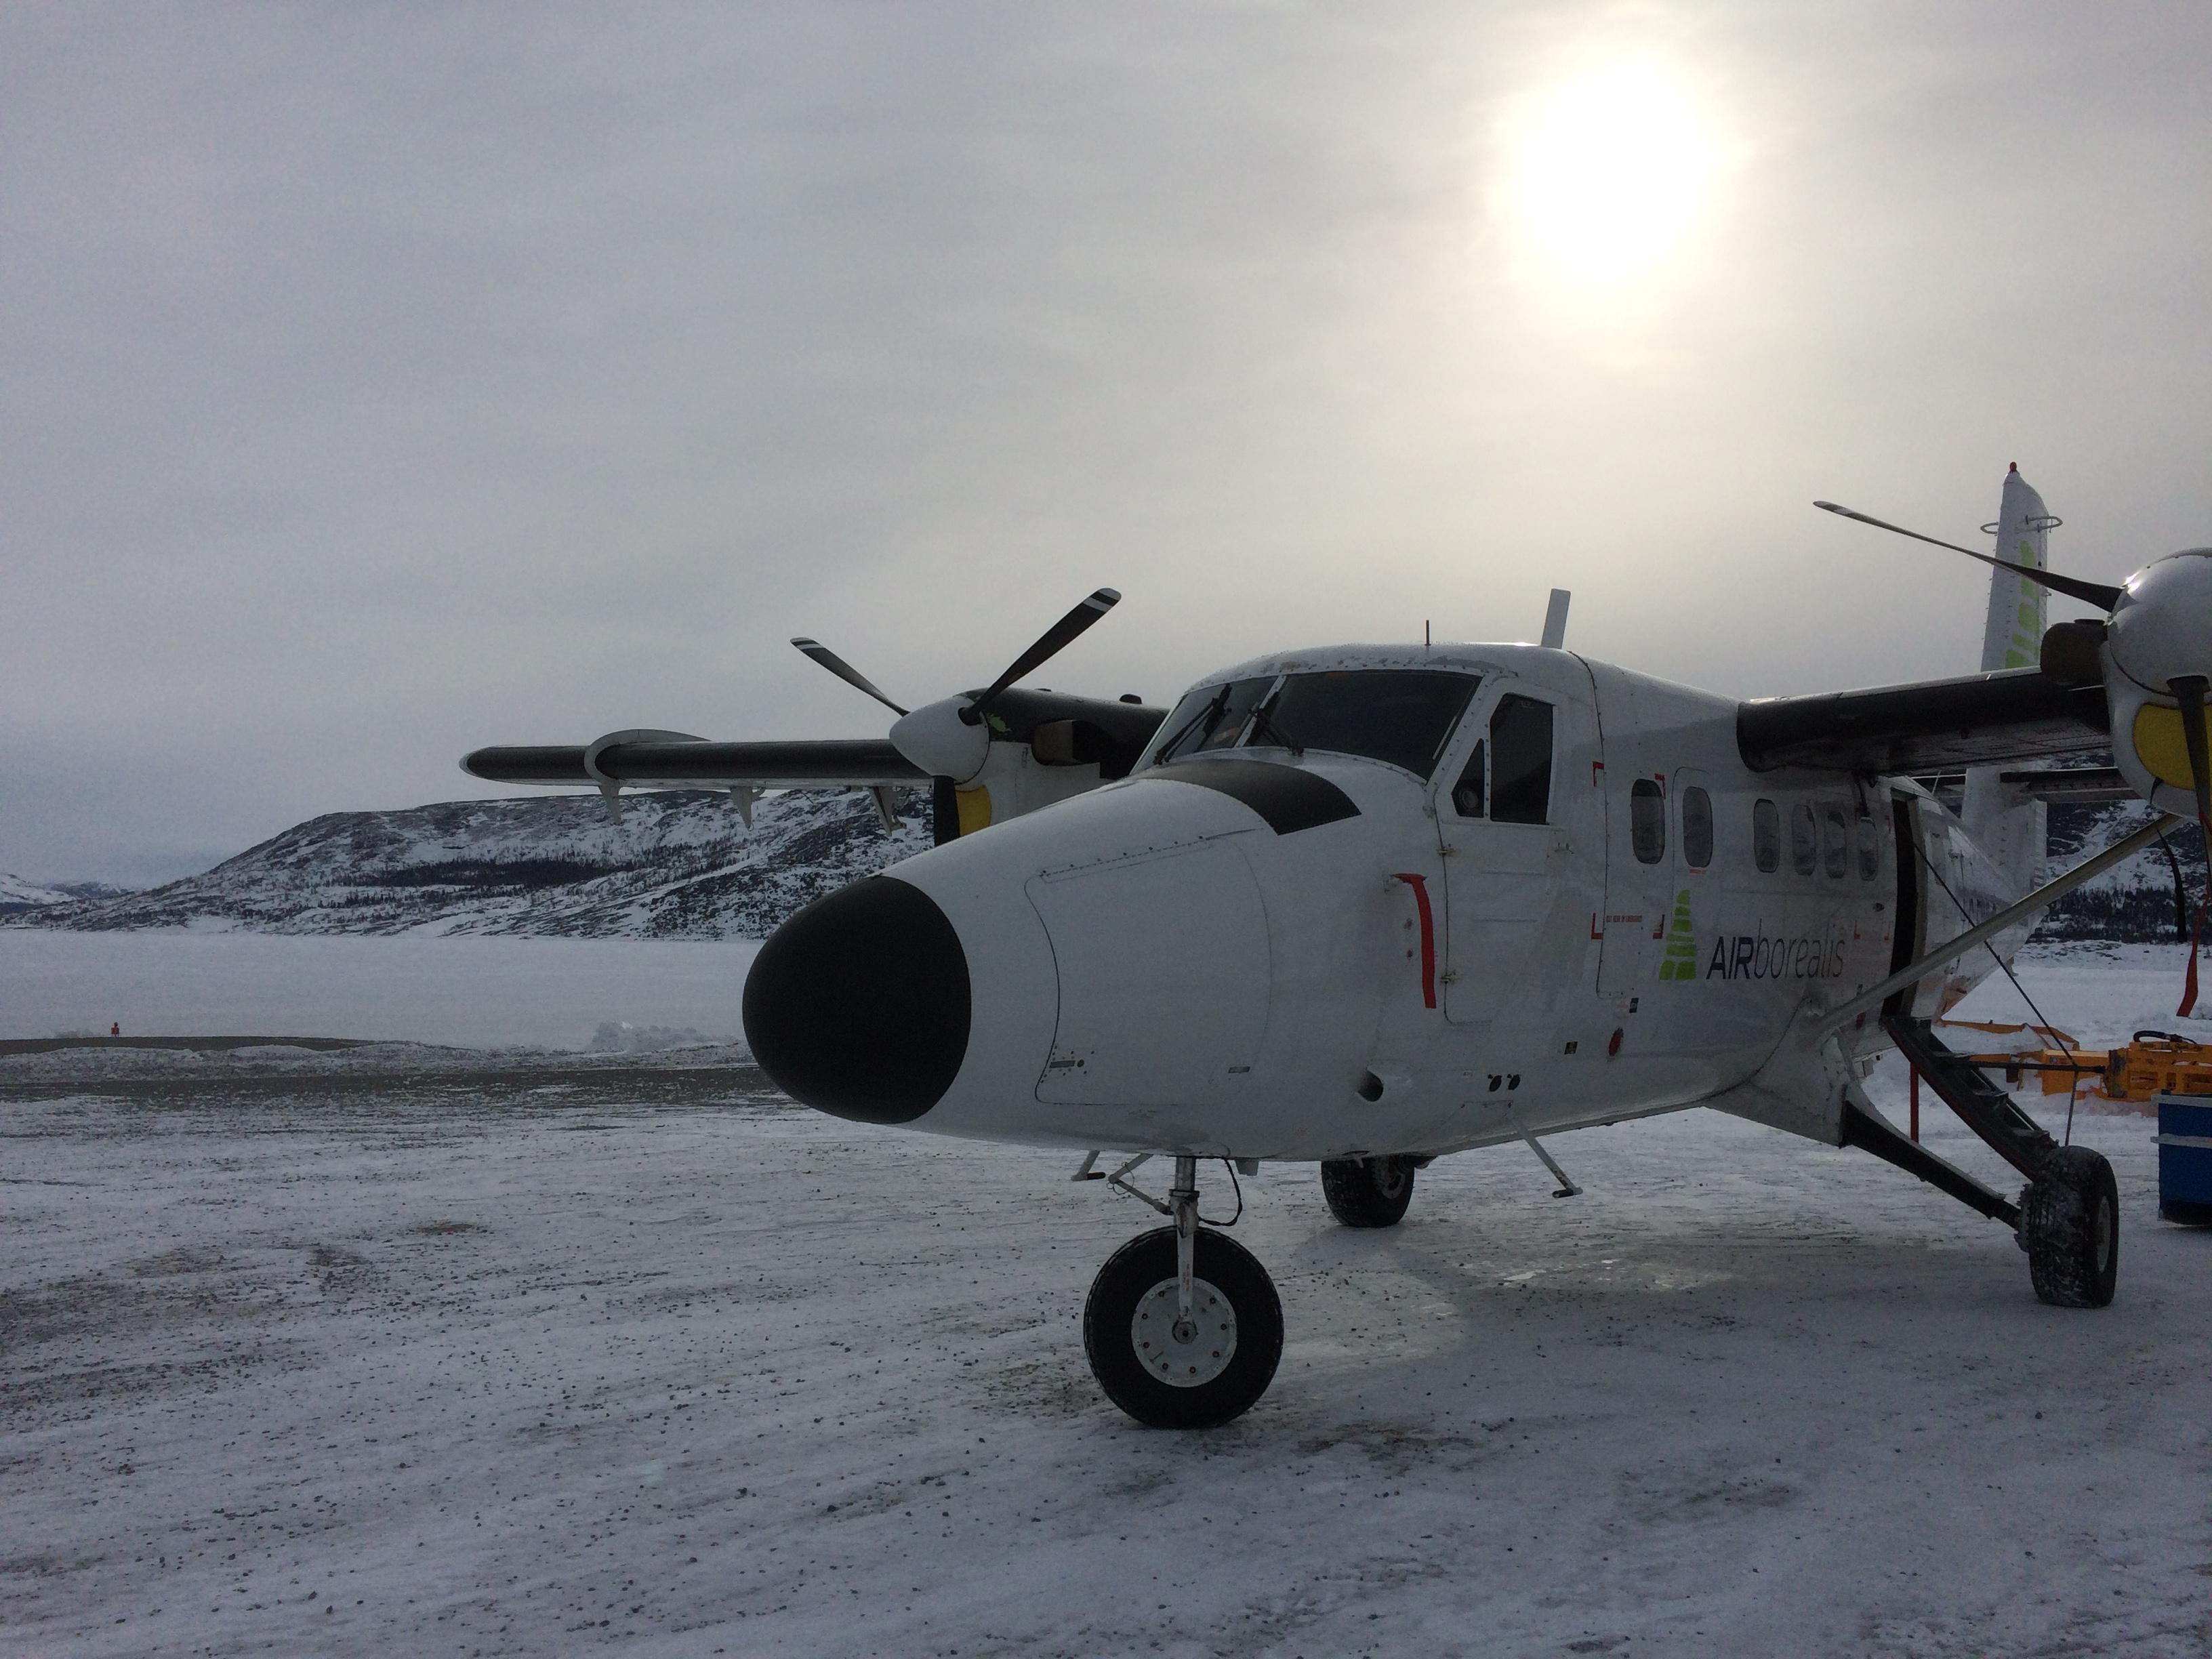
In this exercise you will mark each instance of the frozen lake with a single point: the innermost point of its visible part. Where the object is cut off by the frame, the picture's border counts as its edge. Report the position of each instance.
(389, 1353)
(479, 992)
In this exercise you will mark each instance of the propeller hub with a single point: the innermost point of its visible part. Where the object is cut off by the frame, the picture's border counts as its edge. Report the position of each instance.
(938, 738)
(2161, 628)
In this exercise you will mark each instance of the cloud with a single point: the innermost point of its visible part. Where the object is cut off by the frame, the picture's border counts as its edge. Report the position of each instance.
(382, 385)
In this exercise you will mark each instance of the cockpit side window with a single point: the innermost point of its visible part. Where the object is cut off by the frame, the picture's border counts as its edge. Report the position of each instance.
(1521, 761)
(1401, 716)
(1469, 794)
(1210, 717)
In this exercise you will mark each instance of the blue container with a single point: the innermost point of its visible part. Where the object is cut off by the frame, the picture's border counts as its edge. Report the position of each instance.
(2184, 1159)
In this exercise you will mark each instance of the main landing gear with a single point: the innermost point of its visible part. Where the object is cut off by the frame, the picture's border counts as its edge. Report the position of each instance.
(2068, 1218)
(1182, 1326)
(1368, 1192)
(2069, 1225)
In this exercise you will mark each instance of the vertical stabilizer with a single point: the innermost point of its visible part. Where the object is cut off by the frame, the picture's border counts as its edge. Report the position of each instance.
(2012, 637)
(2012, 829)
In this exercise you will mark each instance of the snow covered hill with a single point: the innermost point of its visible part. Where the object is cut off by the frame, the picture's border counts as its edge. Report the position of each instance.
(18, 896)
(682, 865)
(679, 866)
(2134, 901)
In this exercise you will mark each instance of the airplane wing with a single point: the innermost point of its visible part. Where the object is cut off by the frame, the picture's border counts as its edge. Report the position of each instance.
(1937, 726)
(663, 763)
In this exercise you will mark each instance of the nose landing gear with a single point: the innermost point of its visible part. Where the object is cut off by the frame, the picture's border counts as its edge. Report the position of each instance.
(1182, 1326)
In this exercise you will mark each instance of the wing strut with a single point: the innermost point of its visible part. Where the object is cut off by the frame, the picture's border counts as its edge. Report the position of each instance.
(1952, 949)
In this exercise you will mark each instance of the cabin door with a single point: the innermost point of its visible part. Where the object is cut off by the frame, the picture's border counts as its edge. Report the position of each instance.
(1639, 878)
(1509, 823)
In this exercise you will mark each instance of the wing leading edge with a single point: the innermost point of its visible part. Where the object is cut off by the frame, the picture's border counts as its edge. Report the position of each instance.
(1935, 726)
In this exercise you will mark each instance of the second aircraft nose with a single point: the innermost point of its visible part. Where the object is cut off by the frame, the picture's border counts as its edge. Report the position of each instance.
(859, 1006)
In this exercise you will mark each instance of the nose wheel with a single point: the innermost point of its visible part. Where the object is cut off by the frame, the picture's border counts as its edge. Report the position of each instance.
(1182, 1326)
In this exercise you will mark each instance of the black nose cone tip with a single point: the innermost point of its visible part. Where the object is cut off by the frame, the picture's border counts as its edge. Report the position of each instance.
(858, 1005)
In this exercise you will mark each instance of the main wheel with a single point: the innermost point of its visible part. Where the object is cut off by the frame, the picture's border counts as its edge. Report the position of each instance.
(1368, 1192)
(1192, 1379)
(2071, 1221)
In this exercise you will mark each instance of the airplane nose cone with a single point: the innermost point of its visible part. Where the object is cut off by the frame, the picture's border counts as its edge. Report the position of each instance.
(858, 1005)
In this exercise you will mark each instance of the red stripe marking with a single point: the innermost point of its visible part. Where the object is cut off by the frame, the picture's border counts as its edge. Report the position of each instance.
(1428, 938)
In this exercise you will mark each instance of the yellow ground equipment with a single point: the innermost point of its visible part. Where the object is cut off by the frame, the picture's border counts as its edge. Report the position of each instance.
(2149, 1064)
(2044, 1053)
(2159, 1062)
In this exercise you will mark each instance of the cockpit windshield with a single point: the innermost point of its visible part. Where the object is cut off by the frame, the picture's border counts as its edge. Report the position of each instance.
(1401, 716)
(1210, 717)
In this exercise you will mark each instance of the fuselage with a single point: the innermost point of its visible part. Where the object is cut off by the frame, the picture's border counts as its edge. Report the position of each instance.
(1370, 900)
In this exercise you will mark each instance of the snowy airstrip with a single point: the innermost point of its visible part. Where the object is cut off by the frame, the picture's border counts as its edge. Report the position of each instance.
(510, 1350)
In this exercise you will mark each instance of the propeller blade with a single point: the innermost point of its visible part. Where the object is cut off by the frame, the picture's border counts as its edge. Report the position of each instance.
(1049, 644)
(2189, 691)
(845, 671)
(2095, 593)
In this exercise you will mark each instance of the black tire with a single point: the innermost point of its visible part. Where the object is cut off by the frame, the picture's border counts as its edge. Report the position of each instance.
(2070, 1220)
(1225, 1272)
(1368, 1192)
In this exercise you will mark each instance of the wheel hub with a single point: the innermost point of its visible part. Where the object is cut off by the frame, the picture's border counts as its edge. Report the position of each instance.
(1184, 1355)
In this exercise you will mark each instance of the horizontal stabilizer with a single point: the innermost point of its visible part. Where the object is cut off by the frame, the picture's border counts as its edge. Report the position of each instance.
(2089, 786)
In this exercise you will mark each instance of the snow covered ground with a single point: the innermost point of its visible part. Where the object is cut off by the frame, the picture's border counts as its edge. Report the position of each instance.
(345, 1355)
(479, 992)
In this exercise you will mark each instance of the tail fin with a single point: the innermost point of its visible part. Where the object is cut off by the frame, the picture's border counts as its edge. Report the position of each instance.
(2012, 637)
(2011, 830)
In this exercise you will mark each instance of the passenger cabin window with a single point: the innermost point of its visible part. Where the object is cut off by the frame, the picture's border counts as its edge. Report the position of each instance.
(1869, 850)
(1401, 716)
(1835, 841)
(1697, 828)
(1467, 792)
(1766, 835)
(1647, 821)
(1804, 840)
(1521, 762)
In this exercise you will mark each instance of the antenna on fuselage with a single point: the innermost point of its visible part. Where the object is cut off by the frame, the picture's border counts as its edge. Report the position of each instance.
(1555, 620)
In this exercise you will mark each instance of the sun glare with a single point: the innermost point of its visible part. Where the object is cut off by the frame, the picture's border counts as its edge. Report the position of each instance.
(1609, 173)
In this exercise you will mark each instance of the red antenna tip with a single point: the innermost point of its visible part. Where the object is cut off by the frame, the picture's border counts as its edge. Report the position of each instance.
(2015, 467)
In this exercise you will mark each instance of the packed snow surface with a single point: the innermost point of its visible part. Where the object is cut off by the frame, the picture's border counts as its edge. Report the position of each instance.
(392, 1351)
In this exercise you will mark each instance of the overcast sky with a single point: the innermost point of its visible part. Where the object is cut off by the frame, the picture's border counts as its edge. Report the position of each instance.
(380, 381)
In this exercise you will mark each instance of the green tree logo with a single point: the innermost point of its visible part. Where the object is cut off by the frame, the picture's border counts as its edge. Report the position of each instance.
(1679, 960)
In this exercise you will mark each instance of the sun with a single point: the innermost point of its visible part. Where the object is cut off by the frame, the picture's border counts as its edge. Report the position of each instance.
(1609, 173)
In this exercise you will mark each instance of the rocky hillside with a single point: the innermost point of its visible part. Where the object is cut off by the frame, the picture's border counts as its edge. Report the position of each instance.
(679, 866)
(2133, 901)
(18, 896)
(682, 865)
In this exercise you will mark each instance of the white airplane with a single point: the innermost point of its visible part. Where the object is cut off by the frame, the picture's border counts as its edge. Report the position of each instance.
(1370, 904)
